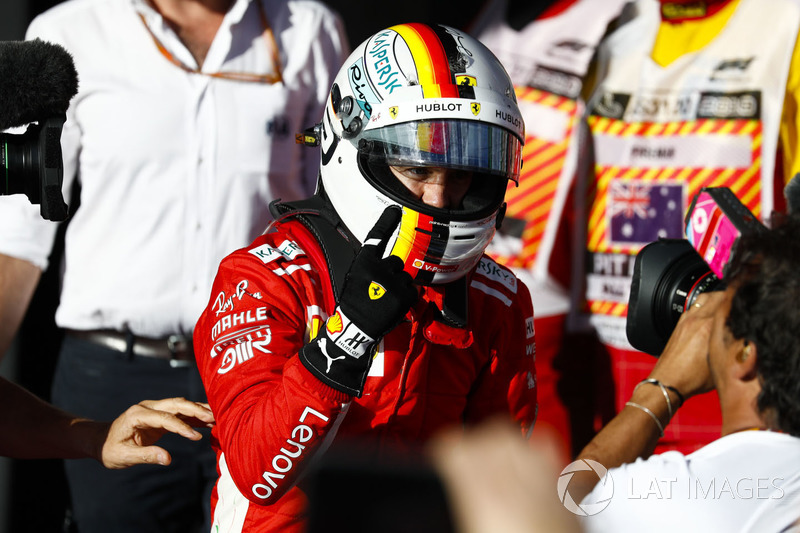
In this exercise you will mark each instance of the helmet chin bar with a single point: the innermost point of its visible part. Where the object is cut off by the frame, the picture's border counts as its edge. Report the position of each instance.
(436, 250)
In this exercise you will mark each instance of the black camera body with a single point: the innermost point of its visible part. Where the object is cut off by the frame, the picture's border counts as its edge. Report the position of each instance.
(669, 274)
(37, 81)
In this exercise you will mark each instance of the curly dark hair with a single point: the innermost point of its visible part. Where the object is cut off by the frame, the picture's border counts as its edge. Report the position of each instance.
(765, 309)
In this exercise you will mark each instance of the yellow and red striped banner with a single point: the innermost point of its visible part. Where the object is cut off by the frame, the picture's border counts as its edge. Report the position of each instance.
(744, 182)
(543, 161)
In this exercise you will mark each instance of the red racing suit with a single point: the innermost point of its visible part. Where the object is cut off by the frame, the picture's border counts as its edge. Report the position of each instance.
(273, 415)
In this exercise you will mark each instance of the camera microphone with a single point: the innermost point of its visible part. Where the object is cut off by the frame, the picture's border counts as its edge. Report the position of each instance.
(37, 80)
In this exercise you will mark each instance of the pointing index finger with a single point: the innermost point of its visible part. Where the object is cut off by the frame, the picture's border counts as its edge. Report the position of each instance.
(380, 233)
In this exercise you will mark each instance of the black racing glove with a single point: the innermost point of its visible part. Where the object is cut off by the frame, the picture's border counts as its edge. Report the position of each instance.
(376, 295)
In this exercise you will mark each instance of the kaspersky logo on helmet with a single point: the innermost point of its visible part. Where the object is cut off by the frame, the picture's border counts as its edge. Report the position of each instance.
(382, 65)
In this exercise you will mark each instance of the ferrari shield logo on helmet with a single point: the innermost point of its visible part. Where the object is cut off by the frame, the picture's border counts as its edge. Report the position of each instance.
(376, 290)
(475, 107)
(464, 79)
(393, 111)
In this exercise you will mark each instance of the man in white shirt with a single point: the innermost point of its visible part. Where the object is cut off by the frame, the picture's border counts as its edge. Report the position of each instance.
(181, 134)
(741, 342)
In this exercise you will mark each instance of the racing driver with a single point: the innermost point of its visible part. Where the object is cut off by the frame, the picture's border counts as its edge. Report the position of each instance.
(369, 310)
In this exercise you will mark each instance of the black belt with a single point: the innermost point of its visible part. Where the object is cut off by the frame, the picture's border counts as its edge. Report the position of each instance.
(176, 348)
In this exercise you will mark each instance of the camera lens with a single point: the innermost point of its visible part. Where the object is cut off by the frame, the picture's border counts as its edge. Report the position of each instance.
(20, 163)
(668, 275)
(31, 164)
(678, 287)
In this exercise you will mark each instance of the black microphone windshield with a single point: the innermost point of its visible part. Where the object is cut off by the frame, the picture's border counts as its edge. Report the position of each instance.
(37, 81)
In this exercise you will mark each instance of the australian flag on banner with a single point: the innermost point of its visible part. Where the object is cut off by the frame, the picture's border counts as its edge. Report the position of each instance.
(640, 212)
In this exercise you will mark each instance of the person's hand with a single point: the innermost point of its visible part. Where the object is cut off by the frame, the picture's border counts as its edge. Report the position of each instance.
(497, 481)
(131, 436)
(376, 295)
(684, 362)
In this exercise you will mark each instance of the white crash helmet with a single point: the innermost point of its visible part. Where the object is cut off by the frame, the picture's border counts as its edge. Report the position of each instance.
(418, 95)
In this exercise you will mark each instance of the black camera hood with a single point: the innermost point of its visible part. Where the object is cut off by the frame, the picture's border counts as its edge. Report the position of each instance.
(666, 274)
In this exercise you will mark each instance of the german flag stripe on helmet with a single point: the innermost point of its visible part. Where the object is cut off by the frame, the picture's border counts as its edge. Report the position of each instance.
(416, 231)
(411, 239)
(430, 59)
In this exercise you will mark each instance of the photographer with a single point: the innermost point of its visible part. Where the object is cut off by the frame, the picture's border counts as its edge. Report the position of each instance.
(674, 111)
(741, 342)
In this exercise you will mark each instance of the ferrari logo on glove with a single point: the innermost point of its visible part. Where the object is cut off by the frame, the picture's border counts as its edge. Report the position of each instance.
(376, 290)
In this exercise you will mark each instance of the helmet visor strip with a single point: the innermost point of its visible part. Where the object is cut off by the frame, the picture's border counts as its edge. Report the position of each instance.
(460, 144)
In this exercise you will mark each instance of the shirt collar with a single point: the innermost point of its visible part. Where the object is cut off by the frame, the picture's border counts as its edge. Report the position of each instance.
(233, 16)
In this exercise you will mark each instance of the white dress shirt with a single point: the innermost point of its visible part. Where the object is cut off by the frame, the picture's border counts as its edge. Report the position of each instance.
(176, 169)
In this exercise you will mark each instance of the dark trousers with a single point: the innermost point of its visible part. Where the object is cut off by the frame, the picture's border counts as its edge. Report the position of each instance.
(99, 383)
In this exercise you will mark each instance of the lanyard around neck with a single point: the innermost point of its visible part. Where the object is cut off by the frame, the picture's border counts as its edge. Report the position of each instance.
(269, 39)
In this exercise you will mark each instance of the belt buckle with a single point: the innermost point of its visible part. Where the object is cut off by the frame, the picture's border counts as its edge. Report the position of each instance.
(177, 344)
